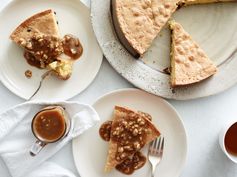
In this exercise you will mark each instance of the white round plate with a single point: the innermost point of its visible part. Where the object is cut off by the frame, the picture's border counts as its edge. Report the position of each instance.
(73, 18)
(213, 26)
(90, 151)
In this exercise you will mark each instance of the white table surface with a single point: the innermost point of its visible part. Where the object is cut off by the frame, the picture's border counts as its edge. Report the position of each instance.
(203, 119)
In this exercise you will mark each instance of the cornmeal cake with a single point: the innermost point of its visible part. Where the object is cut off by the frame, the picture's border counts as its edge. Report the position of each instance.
(189, 63)
(138, 22)
(44, 22)
(44, 48)
(61, 68)
(130, 131)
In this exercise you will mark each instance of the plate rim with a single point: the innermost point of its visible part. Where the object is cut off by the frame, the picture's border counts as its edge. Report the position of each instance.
(111, 93)
(6, 84)
(185, 94)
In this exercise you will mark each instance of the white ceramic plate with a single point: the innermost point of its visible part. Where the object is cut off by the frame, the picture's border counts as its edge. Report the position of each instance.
(90, 151)
(213, 26)
(74, 18)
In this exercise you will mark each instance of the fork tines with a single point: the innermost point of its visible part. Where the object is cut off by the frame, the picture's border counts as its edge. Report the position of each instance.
(156, 147)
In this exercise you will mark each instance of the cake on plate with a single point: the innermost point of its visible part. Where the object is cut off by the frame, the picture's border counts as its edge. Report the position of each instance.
(130, 131)
(138, 22)
(189, 63)
(44, 48)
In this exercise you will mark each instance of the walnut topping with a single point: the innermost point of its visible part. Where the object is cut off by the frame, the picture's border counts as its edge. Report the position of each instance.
(44, 48)
(132, 163)
(28, 74)
(146, 115)
(22, 42)
(137, 145)
(135, 132)
(120, 149)
(29, 45)
(129, 133)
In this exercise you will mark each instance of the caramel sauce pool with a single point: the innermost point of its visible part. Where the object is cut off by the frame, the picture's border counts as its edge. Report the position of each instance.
(49, 125)
(231, 140)
(72, 46)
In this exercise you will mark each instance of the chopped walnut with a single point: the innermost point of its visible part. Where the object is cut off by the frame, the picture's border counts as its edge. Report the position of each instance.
(44, 48)
(132, 163)
(28, 74)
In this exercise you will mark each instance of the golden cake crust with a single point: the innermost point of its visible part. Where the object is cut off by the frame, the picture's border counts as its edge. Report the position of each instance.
(189, 63)
(44, 22)
(141, 20)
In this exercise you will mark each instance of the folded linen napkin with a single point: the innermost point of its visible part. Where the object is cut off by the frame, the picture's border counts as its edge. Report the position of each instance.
(16, 137)
(49, 169)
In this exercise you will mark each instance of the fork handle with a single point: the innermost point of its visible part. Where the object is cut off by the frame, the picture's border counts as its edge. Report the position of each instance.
(153, 171)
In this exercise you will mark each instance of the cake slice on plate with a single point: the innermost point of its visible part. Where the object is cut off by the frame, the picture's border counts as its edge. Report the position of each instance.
(138, 22)
(44, 22)
(190, 2)
(189, 63)
(39, 36)
(130, 132)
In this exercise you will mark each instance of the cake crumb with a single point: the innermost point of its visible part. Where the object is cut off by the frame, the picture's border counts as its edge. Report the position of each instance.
(28, 74)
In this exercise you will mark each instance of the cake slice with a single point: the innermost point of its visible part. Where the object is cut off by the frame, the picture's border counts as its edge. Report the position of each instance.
(44, 22)
(130, 132)
(138, 22)
(39, 36)
(189, 63)
(190, 2)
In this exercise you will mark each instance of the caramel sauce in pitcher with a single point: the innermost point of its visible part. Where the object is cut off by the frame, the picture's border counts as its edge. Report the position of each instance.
(49, 125)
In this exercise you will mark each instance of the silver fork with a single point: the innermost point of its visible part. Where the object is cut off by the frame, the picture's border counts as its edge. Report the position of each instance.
(155, 153)
(40, 84)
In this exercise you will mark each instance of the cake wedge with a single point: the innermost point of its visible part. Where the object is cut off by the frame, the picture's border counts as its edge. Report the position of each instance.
(43, 22)
(44, 48)
(130, 132)
(189, 63)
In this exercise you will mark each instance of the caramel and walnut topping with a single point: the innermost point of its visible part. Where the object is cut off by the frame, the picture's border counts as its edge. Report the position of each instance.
(28, 74)
(132, 163)
(44, 48)
(129, 134)
(105, 130)
(146, 115)
(72, 46)
(41, 49)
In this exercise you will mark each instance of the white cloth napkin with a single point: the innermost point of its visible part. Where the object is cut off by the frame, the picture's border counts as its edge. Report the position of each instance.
(16, 138)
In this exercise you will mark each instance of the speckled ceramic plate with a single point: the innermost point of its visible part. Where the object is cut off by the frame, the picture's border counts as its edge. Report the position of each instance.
(73, 18)
(213, 26)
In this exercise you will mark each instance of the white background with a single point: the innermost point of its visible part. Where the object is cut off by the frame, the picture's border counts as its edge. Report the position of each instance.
(203, 120)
